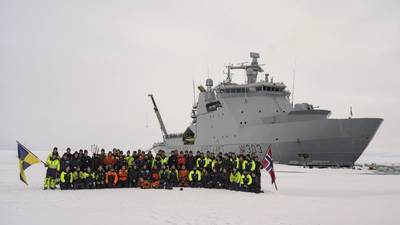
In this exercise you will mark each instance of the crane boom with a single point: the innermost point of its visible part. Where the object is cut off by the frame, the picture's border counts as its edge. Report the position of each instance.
(162, 126)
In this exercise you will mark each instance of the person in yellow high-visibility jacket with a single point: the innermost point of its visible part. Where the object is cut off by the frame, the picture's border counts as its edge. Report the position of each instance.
(245, 181)
(195, 177)
(234, 179)
(53, 168)
(66, 179)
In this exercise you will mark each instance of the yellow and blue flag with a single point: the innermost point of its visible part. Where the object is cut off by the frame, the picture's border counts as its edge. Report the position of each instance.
(26, 159)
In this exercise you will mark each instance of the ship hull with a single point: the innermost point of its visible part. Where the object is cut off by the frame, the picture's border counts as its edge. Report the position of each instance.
(328, 142)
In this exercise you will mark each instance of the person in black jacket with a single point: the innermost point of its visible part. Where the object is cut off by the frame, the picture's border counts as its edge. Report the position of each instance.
(255, 186)
(133, 176)
(99, 177)
(86, 161)
(190, 161)
(173, 159)
(146, 161)
(65, 161)
(75, 161)
(226, 162)
(68, 153)
(120, 162)
(224, 178)
(205, 181)
(257, 174)
(214, 179)
(173, 177)
(164, 177)
(96, 161)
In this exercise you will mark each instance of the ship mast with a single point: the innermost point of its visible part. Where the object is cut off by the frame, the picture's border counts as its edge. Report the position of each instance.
(162, 126)
(251, 70)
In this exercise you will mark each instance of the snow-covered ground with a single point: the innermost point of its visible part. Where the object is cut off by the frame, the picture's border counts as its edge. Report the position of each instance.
(305, 196)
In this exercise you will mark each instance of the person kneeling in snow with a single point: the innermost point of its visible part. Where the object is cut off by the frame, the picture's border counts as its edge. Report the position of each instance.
(133, 176)
(111, 178)
(173, 177)
(66, 179)
(246, 181)
(164, 177)
(195, 178)
(183, 176)
(155, 178)
(99, 177)
(123, 177)
(234, 179)
(88, 178)
(77, 182)
(145, 178)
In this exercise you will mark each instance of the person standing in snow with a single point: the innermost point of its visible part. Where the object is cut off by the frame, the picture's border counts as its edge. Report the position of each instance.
(53, 168)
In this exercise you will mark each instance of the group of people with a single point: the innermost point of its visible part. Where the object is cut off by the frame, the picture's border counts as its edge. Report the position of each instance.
(115, 169)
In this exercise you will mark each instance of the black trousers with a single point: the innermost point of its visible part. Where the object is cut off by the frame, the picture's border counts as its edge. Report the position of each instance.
(65, 186)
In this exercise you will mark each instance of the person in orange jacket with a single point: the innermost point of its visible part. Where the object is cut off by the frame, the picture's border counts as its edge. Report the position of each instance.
(109, 161)
(183, 176)
(155, 178)
(111, 178)
(123, 177)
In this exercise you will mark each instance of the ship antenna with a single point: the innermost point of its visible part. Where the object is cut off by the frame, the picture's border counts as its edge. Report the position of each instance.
(208, 70)
(351, 112)
(194, 90)
(294, 77)
(194, 94)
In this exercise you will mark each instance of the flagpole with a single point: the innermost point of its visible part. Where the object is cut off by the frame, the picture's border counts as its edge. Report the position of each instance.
(272, 167)
(276, 188)
(31, 152)
(266, 152)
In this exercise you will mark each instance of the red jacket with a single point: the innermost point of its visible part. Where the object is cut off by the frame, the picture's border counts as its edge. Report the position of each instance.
(181, 160)
(109, 160)
(155, 176)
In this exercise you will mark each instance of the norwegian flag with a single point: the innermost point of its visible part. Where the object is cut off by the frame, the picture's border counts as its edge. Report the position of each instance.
(268, 165)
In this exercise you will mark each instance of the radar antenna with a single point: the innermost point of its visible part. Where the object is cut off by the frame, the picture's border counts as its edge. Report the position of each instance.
(294, 77)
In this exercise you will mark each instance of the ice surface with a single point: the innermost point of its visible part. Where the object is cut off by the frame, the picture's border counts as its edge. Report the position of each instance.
(305, 196)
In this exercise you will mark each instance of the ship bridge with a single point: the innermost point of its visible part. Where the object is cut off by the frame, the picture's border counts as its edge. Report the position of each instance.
(260, 87)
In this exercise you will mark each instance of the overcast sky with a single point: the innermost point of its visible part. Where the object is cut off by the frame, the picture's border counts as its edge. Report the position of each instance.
(76, 73)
